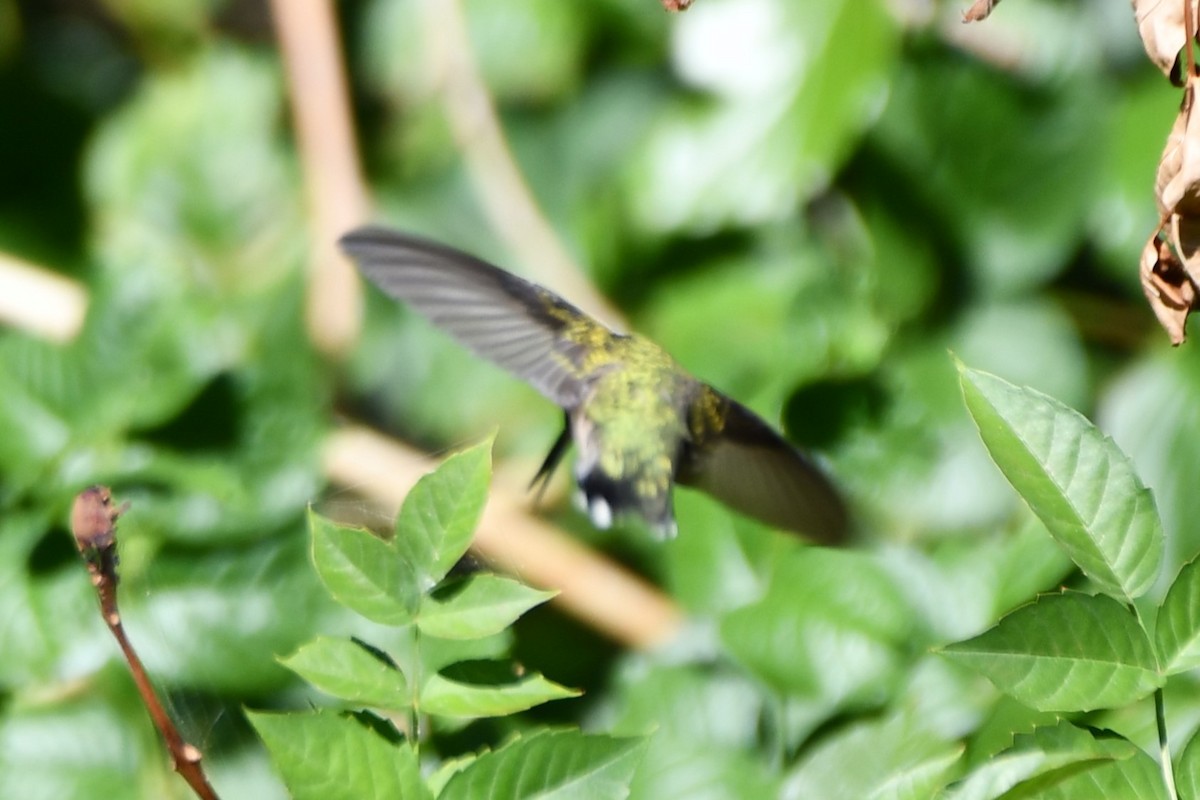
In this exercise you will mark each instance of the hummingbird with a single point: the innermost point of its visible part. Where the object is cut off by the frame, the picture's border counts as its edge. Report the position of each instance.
(640, 422)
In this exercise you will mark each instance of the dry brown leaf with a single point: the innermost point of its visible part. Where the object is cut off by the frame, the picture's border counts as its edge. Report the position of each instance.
(1185, 240)
(1160, 24)
(1179, 170)
(979, 10)
(1168, 288)
(1172, 158)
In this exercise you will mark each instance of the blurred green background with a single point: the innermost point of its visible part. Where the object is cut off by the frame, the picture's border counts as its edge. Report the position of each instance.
(811, 204)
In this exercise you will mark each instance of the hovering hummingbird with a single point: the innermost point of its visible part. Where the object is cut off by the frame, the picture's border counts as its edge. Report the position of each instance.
(641, 423)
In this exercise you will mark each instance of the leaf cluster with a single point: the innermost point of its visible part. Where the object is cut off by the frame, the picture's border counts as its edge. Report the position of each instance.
(450, 624)
(1080, 651)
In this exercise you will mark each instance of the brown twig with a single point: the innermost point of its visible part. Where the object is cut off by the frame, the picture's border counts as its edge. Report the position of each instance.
(338, 200)
(93, 521)
(592, 588)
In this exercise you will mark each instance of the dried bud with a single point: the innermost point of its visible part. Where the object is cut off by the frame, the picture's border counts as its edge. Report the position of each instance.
(94, 518)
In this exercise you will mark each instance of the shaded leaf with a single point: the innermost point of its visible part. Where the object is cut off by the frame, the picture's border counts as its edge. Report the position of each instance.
(1074, 478)
(1065, 652)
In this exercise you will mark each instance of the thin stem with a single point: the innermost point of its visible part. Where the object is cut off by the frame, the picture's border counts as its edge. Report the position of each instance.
(1164, 750)
(772, 728)
(93, 521)
(414, 682)
(337, 194)
(1189, 25)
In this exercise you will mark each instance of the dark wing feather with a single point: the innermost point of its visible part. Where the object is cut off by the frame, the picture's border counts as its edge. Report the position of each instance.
(516, 324)
(752, 469)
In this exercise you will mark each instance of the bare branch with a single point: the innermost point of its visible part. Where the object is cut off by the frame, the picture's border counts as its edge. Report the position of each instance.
(338, 199)
(94, 521)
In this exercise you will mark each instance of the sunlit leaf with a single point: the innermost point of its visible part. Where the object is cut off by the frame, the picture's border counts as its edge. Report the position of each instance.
(451, 698)
(330, 756)
(550, 764)
(1187, 769)
(1074, 478)
(439, 515)
(347, 670)
(363, 572)
(1177, 631)
(1066, 652)
(830, 622)
(481, 606)
(1048, 759)
(908, 759)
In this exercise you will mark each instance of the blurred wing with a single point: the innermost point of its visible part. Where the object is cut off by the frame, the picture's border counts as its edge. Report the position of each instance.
(752, 469)
(518, 325)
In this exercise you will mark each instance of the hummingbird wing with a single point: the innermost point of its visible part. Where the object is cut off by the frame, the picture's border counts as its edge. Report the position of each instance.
(518, 325)
(752, 469)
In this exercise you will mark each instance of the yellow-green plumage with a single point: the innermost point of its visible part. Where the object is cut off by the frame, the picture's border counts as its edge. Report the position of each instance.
(641, 423)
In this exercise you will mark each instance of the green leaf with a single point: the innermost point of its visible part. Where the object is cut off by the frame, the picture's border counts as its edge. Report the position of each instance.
(1187, 770)
(908, 759)
(347, 669)
(218, 617)
(327, 756)
(1065, 652)
(438, 779)
(1177, 630)
(438, 518)
(919, 780)
(363, 572)
(1017, 225)
(557, 765)
(451, 698)
(762, 145)
(1134, 778)
(481, 606)
(1074, 478)
(1048, 755)
(830, 622)
(82, 745)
